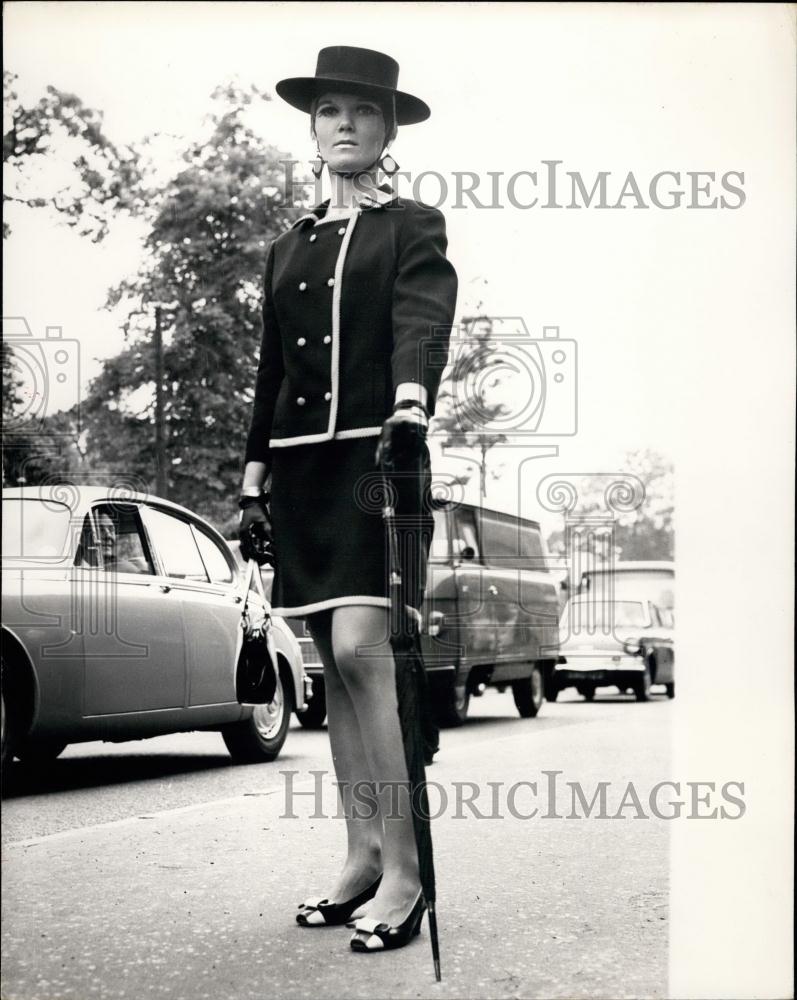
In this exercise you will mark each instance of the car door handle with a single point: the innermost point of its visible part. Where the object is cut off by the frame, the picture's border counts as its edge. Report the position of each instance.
(164, 588)
(492, 589)
(236, 598)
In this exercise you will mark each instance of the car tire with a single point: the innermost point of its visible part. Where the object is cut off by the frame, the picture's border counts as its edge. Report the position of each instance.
(587, 692)
(528, 694)
(670, 689)
(316, 712)
(259, 738)
(40, 753)
(551, 688)
(643, 684)
(4, 737)
(451, 704)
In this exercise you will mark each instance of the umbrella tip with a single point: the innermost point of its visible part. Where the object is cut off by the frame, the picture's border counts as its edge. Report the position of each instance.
(437, 970)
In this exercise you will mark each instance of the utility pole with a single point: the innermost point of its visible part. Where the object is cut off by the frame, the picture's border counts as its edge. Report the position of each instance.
(161, 479)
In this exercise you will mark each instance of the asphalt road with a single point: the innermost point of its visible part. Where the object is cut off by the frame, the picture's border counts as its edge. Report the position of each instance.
(159, 868)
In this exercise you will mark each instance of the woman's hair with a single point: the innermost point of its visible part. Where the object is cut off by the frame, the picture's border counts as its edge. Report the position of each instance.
(386, 105)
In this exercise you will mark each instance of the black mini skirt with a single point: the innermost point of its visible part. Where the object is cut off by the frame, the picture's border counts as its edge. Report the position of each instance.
(330, 543)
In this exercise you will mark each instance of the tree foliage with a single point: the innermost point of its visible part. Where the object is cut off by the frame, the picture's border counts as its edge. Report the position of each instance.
(57, 155)
(464, 411)
(203, 266)
(648, 532)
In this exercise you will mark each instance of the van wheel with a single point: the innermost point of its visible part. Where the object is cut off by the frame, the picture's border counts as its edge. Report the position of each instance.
(587, 691)
(527, 692)
(551, 688)
(670, 689)
(315, 713)
(451, 705)
(643, 685)
(259, 738)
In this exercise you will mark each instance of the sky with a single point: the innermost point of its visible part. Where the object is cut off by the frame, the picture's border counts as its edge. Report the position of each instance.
(645, 89)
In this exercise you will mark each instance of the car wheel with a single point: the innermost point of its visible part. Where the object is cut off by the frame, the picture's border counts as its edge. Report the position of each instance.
(315, 713)
(259, 738)
(527, 692)
(643, 685)
(40, 753)
(670, 689)
(551, 688)
(6, 742)
(451, 704)
(587, 692)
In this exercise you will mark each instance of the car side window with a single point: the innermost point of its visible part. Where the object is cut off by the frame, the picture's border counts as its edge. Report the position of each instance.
(216, 564)
(176, 548)
(120, 547)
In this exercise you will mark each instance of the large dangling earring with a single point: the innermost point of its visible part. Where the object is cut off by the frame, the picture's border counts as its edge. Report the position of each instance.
(388, 165)
(318, 165)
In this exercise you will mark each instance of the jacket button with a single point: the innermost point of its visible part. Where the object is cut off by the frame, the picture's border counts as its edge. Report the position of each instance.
(314, 237)
(327, 339)
(302, 286)
(300, 400)
(327, 396)
(301, 341)
(331, 282)
(342, 231)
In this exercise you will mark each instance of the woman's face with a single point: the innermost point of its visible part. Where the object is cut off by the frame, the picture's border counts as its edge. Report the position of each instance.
(350, 131)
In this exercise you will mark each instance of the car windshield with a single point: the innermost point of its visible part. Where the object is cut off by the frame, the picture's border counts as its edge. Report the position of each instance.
(625, 614)
(35, 529)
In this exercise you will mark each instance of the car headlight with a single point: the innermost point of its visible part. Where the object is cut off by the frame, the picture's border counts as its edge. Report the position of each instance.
(633, 647)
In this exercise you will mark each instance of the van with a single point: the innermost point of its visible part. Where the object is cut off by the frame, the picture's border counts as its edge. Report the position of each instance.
(491, 611)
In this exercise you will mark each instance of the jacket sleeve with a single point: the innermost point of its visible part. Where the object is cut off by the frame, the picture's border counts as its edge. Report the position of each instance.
(270, 373)
(424, 299)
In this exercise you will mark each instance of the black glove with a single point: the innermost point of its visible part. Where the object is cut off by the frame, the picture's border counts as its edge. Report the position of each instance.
(403, 437)
(254, 529)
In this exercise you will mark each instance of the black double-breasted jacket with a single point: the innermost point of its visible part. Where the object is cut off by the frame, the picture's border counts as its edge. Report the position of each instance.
(352, 309)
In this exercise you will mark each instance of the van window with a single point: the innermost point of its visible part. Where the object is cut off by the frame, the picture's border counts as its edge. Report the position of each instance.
(439, 549)
(511, 543)
(465, 534)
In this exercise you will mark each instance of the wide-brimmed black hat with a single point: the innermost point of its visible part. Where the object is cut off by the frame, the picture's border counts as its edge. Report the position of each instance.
(344, 67)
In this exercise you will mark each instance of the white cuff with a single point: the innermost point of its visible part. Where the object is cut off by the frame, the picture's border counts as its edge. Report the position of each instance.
(411, 390)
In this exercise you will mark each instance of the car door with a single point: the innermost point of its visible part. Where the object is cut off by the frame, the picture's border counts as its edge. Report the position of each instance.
(661, 640)
(132, 624)
(203, 579)
(474, 617)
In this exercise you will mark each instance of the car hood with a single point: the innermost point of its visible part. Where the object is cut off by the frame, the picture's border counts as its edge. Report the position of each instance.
(599, 641)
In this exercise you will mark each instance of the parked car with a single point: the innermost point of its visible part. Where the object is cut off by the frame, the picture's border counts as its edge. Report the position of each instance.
(627, 644)
(491, 611)
(119, 622)
(637, 580)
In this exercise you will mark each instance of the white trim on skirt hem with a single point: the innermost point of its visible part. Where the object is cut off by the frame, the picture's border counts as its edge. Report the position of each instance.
(338, 602)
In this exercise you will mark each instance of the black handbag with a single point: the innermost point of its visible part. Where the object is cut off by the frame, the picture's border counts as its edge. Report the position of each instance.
(256, 667)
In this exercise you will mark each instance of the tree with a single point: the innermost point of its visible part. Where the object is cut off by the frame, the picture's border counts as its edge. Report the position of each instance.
(644, 533)
(465, 410)
(204, 263)
(104, 178)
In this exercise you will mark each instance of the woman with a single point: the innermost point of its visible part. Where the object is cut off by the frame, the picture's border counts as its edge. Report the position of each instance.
(359, 301)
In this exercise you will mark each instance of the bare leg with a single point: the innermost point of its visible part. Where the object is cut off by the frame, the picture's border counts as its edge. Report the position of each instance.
(364, 833)
(369, 679)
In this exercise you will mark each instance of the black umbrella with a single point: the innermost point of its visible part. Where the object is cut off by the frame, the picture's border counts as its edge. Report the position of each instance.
(406, 559)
